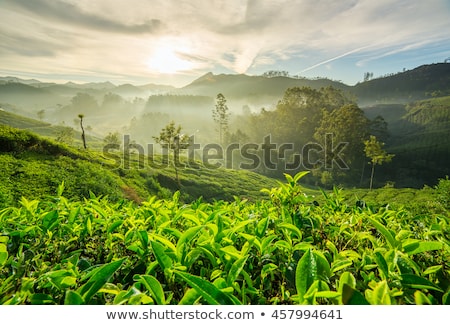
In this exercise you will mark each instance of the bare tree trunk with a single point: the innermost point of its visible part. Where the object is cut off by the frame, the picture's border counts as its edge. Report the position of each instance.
(83, 135)
(371, 176)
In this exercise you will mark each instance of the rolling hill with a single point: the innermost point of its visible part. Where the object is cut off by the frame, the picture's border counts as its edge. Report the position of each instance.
(33, 167)
(419, 83)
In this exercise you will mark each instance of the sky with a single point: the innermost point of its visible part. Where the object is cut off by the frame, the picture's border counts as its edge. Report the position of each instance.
(175, 42)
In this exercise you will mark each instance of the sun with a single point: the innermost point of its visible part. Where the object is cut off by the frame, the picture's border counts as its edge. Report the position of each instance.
(166, 59)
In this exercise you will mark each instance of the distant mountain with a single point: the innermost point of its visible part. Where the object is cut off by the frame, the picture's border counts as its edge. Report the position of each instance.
(157, 87)
(25, 95)
(254, 89)
(18, 80)
(239, 89)
(416, 84)
(92, 85)
(420, 83)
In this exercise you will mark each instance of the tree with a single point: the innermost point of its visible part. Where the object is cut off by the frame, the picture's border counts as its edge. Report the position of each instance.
(65, 135)
(374, 150)
(112, 138)
(348, 125)
(221, 115)
(83, 135)
(379, 128)
(41, 114)
(171, 138)
(368, 76)
(84, 101)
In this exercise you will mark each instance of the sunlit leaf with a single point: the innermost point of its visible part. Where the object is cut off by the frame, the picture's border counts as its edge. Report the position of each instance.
(99, 277)
(421, 246)
(153, 286)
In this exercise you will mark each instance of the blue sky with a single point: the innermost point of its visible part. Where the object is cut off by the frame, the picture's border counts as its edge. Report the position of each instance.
(174, 42)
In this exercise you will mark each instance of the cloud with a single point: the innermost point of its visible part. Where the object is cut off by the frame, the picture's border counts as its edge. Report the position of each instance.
(119, 37)
(71, 14)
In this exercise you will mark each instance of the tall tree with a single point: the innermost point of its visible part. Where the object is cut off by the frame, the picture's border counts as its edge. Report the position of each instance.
(374, 150)
(171, 139)
(41, 114)
(221, 115)
(83, 135)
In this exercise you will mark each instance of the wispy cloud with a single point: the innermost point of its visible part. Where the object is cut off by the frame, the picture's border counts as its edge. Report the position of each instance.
(334, 58)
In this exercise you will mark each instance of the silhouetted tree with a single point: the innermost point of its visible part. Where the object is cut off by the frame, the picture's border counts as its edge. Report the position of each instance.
(221, 115)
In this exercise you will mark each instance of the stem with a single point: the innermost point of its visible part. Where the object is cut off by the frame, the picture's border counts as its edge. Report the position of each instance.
(371, 176)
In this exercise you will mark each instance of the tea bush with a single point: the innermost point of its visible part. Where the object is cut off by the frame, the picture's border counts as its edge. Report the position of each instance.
(287, 249)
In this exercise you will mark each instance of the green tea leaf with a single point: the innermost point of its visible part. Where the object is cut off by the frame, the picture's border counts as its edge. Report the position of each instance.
(184, 240)
(340, 265)
(49, 221)
(346, 279)
(382, 265)
(73, 298)
(190, 297)
(432, 269)
(417, 282)
(293, 229)
(379, 295)
(164, 261)
(351, 296)
(3, 254)
(421, 299)
(305, 274)
(153, 286)
(420, 247)
(99, 277)
(41, 299)
(262, 227)
(236, 269)
(207, 290)
(114, 226)
(385, 232)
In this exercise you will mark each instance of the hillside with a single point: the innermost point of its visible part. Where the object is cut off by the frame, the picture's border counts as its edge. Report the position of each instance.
(415, 84)
(420, 139)
(419, 83)
(34, 167)
(46, 129)
(256, 90)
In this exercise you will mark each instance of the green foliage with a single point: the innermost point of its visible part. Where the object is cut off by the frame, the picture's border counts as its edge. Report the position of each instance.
(288, 249)
(374, 150)
(443, 192)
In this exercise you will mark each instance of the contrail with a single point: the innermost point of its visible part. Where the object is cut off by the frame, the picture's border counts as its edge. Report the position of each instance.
(335, 58)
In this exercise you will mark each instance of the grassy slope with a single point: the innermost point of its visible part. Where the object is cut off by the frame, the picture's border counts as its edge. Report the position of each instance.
(34, 167)
(42, 128)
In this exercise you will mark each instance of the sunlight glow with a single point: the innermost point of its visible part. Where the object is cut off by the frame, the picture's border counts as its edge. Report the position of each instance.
(166, 59)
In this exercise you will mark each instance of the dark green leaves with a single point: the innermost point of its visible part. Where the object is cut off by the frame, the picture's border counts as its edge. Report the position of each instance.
(207, 290)
(97, 279)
